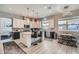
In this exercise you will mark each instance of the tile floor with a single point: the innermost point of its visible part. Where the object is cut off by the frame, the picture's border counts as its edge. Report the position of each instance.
(46, 47)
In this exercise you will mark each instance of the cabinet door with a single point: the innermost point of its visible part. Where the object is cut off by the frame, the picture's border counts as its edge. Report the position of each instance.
(51, 23)
(16, 35)
(24, 39)
(21, 23)
(18, 23)
(33, 24)
(15, 23)
(38, 24)
(28, 40)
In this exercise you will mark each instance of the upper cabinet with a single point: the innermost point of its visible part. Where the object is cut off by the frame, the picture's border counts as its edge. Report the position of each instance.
(38, 23)
(27, 21)
(18, 23)
(51, 22)
(35, 23)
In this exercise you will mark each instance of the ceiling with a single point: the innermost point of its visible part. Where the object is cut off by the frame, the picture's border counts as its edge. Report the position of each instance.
(37, 10)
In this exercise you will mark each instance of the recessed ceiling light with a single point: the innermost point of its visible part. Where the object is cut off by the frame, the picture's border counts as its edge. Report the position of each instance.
(32, 10)
(27, 8)
(66, 7)
(49, 7)
(45, 7)
(10, 8)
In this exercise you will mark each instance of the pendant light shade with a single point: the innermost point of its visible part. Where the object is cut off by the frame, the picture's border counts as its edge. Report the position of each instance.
(27, 18)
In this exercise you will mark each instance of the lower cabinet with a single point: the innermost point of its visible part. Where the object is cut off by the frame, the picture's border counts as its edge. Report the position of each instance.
(16, 35)
(51, 35)
(26, 38)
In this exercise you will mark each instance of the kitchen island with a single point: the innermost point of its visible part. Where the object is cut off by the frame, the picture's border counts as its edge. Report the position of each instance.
(22, 36)
(25, 38)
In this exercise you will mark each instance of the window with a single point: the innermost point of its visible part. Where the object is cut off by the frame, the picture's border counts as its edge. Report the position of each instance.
(5, 24)
(61, 22)
(45, 23)
(62, 25)
(73, 25)
(70, 25)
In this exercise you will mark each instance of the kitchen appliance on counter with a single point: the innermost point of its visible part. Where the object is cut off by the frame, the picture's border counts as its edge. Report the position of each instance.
(27, 28)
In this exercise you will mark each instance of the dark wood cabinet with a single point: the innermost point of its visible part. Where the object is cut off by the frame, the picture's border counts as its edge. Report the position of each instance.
(16, 35)
(51, 35)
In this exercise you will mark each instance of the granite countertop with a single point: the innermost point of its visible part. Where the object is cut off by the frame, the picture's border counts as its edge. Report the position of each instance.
(67, 34)
(26, 32)
(22, 31)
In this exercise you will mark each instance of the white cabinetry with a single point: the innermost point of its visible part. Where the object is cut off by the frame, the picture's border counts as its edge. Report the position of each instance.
(26, 21)
(51, 23)
(18, 23)
(26, 38)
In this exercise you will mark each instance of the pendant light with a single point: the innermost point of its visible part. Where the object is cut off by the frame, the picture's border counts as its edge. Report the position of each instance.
(33, 14)
(36, 16)
(27, 18)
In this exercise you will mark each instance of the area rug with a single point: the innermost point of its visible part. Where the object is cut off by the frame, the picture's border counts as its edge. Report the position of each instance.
(12, 48)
